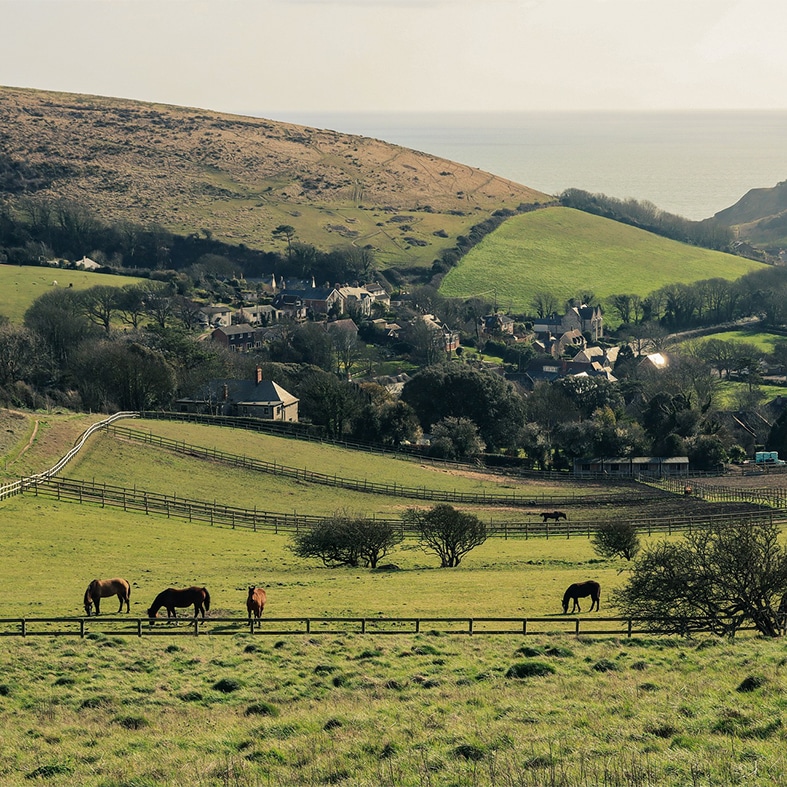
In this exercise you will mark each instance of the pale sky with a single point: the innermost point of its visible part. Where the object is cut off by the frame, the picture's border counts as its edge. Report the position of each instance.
(272, 57)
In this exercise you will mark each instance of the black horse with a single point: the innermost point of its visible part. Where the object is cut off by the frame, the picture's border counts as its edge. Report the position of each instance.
(556, 515)
(582, 590)
(171, 598)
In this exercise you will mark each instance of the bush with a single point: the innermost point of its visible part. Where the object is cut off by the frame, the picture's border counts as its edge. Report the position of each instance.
(347, 540)
(616, 538)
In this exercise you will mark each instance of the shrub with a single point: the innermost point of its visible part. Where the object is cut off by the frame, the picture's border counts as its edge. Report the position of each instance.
(616, 538)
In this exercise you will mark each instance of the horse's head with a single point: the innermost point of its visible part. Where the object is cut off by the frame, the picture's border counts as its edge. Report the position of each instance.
(88, 607)
(152, 615)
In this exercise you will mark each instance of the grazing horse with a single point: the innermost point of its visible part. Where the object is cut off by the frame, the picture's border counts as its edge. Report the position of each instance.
(256, 602)
(101, 588)
(556, 515)
(171, 598)
(582, 590)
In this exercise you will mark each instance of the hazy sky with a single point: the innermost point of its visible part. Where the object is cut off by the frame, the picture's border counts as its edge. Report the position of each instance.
(271, 57)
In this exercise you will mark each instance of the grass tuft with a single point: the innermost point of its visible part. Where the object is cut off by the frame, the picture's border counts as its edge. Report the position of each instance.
(530, 669)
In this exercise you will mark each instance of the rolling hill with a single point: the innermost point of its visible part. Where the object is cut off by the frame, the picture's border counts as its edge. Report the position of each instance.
(237, 178)
(563, 251)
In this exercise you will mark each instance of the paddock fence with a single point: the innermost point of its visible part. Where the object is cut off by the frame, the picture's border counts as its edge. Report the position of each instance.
(621, 497)
(220, 515)
(772, 497)
(18, 487)
(567, 625)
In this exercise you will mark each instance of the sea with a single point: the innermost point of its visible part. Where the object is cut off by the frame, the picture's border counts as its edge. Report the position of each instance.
(690, 163)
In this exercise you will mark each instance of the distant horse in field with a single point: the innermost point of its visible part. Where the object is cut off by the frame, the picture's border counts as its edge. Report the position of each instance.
(101, 588)
(582, 590)
(255, 602)
(185, 597)
(556, 515)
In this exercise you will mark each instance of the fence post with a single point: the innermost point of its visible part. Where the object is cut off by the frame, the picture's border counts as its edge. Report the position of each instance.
(576, 627)
(470, 627)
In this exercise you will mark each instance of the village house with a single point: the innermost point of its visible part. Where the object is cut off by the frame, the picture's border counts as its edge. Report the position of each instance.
(585, 319)
(215, 316)
(318, 300)
(356, 301)
(257, 398)
(447, 339)
(495, 324)
(237, 338)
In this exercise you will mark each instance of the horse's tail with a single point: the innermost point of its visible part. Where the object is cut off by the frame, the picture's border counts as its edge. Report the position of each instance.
(207, 599)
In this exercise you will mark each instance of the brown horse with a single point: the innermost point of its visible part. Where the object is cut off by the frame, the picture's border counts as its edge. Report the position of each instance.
(556, 515)
(101, 588)
(255, 602)
(185, 597)
(582, 590)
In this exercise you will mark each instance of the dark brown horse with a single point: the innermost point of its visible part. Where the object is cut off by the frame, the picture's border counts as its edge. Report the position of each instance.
(556, 515)
(582, 590)
(255, 602)
(102, 588)
(185, 597)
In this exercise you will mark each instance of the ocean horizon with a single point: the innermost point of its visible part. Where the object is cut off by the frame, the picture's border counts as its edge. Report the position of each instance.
(691, 163)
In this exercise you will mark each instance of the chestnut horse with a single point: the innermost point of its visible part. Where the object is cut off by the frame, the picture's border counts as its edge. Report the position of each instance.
(101, 588)
(185, 597)
(256, 602)
(582, 590)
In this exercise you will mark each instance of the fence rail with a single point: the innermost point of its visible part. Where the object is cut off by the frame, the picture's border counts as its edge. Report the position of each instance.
(217, 514)
(295, 626)
(623, 497)
(773, 497)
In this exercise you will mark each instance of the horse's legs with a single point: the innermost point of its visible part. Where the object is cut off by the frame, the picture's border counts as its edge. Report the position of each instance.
(96, 602)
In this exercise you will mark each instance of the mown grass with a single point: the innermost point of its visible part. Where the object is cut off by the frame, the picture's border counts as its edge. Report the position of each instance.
(564, 251)
(21, 285)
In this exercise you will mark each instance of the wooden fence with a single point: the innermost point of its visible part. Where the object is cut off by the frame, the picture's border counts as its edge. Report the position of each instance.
(99, 626)
(621, 497)
(218, 514)
(773, 497)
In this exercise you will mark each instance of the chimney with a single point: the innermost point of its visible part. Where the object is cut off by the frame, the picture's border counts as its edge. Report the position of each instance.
(258, 379)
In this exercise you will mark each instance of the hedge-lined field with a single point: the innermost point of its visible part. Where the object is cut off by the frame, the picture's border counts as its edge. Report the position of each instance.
(565, 251)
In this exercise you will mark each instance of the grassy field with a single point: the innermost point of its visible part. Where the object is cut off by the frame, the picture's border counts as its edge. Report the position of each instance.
(21, 285)
(407, 709)
(563, 251)
(762, 340)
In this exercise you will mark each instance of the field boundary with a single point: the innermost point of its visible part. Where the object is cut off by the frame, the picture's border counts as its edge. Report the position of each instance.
(218, 514)
(18, 487)
(98, 626)
(371, 487)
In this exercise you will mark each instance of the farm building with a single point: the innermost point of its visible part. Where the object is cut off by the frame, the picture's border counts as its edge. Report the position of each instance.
(632, 466)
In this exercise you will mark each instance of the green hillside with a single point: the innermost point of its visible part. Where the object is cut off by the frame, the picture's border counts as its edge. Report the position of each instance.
(564, 251)
(20, 286)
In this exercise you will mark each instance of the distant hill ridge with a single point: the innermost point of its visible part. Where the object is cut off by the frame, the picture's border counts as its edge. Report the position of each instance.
(237, 178)
(759, 216)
